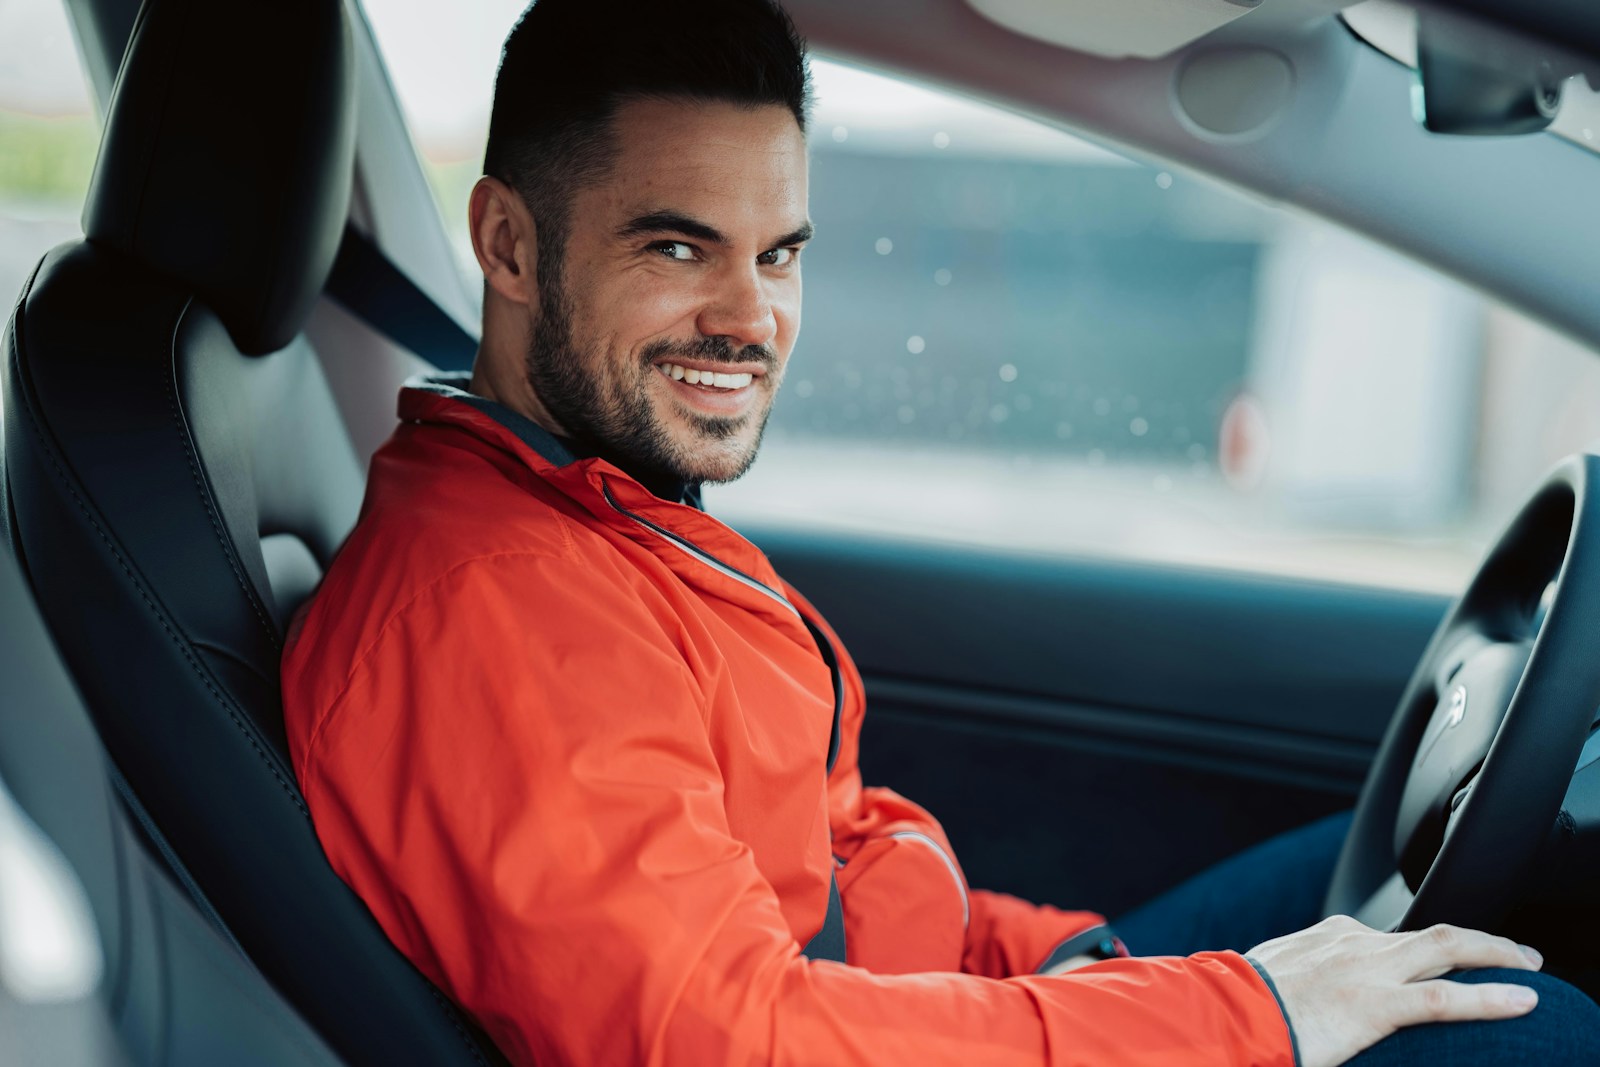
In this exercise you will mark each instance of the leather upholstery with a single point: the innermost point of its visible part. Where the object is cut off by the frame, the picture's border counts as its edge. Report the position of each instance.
(177, 490)
(172, 990)
(227, 156)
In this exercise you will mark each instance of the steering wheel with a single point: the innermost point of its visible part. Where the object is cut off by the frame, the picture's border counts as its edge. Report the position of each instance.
(1470, 777)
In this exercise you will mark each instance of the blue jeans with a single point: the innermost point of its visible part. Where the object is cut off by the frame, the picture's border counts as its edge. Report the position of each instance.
(1276, 888)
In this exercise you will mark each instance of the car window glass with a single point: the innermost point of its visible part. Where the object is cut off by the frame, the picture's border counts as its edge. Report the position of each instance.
(443, 72)
(1016, 338)
(49, 132)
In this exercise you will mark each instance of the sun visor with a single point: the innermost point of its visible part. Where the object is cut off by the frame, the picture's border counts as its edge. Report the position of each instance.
(1114, 28)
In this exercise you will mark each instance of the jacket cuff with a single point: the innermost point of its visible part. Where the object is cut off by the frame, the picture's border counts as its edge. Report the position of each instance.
(1099, 942)
(1272, 987)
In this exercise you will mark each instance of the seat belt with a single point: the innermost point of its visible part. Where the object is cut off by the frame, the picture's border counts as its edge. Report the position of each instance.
(366, 283)
(829, 942)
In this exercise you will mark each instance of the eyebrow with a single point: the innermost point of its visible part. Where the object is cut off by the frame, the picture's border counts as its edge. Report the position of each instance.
(796, 236)
(674, 222)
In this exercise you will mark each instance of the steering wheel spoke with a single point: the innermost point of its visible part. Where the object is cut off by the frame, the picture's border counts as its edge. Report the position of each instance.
(1472, 771)
(1452, 749)
(1388, 905)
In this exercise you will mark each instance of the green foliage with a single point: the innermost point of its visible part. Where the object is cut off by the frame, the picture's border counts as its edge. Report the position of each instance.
(452, 183)
(46, 159)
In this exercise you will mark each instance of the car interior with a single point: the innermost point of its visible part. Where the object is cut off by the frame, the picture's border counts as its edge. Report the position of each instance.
(192, 389)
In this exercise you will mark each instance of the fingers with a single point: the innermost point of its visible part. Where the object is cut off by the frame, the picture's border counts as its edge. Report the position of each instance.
(1442, 1000)
(1440, 949)
(1344, 986)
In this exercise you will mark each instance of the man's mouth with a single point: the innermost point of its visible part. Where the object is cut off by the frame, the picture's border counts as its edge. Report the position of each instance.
(706, 378)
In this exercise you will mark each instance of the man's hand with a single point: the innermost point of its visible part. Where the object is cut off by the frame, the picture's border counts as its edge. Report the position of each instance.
(1345, 986)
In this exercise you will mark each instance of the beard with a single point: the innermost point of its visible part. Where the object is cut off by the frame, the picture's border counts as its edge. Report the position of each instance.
(611, 414)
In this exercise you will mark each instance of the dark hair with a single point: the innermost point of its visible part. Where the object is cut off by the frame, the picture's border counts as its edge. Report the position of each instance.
(568, 64)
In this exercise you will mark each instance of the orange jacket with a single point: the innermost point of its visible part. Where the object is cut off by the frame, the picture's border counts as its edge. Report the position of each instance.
(576, 770)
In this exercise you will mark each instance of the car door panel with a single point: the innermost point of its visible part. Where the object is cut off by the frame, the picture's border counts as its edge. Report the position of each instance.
(1091, 731)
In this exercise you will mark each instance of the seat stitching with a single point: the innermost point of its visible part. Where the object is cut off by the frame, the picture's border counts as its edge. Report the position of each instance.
(247, 730)
(181, 644)
(35, 423)
(453, 1013)
(192, 458)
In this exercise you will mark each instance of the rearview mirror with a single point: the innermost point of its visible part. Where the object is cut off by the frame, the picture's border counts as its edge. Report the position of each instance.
(1470, 81)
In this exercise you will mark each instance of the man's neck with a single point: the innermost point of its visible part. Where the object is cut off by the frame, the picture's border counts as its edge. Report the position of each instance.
(512, 391)
(538, 434)
(515, 393)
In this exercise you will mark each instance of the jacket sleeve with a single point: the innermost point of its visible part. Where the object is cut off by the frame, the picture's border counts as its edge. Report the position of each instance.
(533, 813)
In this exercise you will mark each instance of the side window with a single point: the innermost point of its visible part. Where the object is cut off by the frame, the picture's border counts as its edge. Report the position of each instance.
(49, 132)
(443, 73)
(1013, 337)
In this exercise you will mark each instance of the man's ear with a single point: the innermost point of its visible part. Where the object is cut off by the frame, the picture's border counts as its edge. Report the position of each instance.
(504, 240)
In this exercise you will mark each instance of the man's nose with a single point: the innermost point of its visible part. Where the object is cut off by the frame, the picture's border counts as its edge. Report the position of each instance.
(740, 309)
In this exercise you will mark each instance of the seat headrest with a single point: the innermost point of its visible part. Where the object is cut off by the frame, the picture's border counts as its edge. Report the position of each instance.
(227, 156)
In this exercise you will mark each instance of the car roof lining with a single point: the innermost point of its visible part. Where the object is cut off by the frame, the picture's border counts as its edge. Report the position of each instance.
(1114, 28)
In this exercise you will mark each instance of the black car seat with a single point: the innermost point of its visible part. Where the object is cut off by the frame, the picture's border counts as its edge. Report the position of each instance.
(107, 962)
(179, 478)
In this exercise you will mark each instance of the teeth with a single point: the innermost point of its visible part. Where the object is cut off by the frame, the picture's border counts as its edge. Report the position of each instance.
(708, 378)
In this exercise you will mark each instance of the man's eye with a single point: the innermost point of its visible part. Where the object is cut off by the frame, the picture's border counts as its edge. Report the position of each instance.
(675, 249)
(779, 257)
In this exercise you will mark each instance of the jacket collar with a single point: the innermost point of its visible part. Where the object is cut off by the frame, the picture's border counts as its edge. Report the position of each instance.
(606, 491)
(559, 451)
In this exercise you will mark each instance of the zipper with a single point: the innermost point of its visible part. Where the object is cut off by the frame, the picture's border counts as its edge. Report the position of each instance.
(824, 646)
(950, 865)
(694, 551)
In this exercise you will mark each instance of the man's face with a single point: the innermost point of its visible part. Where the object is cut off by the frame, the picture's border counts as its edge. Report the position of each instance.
(683, 264)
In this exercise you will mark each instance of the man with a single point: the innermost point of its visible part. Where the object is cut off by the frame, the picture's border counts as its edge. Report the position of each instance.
(590, 762)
